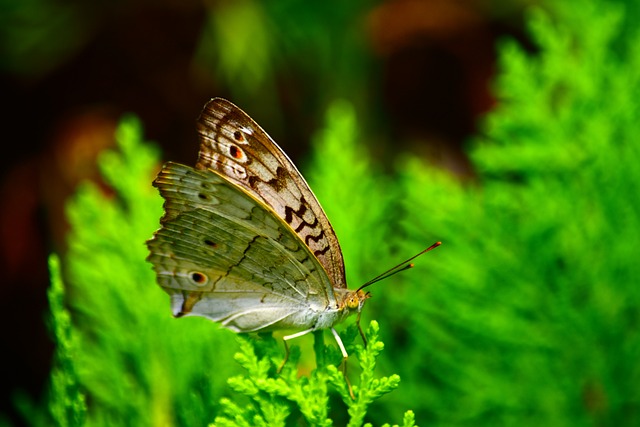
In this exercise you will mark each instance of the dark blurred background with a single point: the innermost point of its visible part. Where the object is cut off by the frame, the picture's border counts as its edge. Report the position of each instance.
(418, 72)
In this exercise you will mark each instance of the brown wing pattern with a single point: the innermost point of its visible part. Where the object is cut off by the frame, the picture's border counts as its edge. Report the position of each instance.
(237, 147)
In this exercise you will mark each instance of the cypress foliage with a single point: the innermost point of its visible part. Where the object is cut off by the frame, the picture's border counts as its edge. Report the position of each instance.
(530, 312)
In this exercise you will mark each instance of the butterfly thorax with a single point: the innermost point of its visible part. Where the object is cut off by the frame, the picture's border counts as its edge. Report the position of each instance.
(347, 303)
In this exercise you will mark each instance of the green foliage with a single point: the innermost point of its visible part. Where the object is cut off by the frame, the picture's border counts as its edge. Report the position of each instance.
(67, 405)
(273, 397)
(530, 310)
(409, 420)
(135, 363)
(250, 45)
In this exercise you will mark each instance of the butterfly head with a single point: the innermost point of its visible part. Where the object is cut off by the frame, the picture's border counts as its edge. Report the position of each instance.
(354, 300)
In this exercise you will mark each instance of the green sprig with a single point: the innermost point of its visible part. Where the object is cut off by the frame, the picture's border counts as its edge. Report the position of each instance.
(274, 397)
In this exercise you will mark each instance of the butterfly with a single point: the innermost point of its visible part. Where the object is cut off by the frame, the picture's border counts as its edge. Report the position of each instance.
(244, 241)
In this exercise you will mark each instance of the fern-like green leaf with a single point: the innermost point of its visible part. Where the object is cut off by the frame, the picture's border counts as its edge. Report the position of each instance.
(272, 395)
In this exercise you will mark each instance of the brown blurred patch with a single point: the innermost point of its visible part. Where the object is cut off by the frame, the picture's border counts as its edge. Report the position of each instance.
(438, 60)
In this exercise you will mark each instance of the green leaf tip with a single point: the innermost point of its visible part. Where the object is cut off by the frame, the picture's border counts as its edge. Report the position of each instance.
(122, 167)
(409, 419)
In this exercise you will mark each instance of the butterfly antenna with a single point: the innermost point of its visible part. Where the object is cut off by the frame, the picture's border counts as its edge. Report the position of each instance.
(404, 265)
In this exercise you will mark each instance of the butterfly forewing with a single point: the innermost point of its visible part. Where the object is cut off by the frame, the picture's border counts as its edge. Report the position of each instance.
(224, 255)
(233, 144)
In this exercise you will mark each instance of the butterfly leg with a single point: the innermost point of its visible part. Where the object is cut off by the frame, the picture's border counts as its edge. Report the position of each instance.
(286, 346)
(345, 356)
(364, 339)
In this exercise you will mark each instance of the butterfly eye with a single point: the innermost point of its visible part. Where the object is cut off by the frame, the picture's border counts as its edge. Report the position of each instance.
(353, 301)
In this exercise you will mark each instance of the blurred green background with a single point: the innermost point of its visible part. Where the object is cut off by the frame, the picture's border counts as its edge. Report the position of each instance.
(507, 130)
